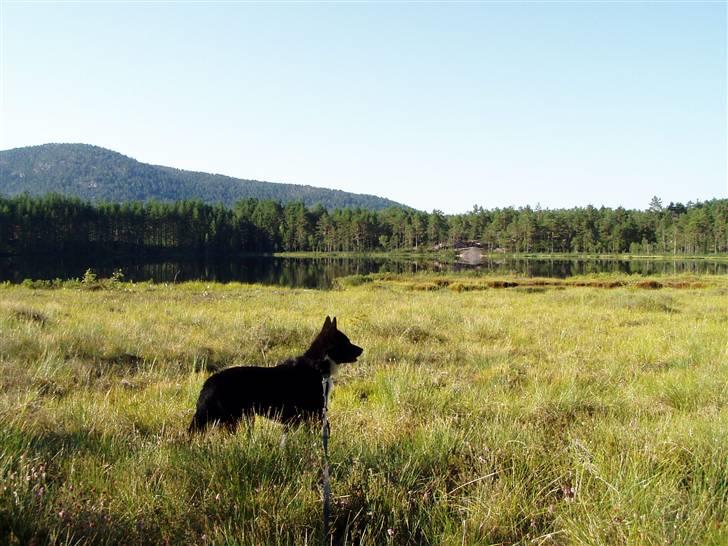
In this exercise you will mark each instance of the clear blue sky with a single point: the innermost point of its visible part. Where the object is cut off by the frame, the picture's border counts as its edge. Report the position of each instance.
(434, 105)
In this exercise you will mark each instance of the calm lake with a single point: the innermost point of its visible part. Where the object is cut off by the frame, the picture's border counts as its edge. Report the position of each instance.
(320, 272)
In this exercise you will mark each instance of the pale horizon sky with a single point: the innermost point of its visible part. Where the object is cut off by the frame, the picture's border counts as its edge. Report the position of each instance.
(435, 105)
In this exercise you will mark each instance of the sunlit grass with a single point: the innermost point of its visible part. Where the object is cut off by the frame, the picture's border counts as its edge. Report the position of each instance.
(543, 413)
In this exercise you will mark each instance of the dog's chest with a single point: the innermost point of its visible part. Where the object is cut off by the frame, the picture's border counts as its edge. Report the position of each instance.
(329, 388)
(329, 382)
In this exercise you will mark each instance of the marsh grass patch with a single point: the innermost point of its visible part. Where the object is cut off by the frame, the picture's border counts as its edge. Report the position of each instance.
(49, 387)
(426, 286)
(658, 303)
(562, 415)
(419, 334)
(206, 359)
(403, 330)
(532, 289)
(649, 284)
(351, 281)
(685, 284)
(127, 361)
(27, 314)
(514, 376)
(269, 337)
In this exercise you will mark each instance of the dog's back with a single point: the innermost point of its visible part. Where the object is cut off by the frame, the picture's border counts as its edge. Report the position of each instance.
(289, 392)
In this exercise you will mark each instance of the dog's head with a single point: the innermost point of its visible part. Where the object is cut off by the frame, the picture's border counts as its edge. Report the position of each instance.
(333, 343)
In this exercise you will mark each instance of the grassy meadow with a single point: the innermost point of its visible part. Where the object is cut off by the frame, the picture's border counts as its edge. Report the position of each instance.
(483, 411)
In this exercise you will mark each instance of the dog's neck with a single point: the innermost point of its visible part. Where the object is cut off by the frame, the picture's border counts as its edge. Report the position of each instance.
(333, 365)
(328, 378)
(325, 365)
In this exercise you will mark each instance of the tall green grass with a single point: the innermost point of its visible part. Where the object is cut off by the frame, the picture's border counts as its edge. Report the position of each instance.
(535, 414)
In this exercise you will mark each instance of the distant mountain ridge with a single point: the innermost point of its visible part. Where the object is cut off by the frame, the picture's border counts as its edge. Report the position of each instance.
(98, 174)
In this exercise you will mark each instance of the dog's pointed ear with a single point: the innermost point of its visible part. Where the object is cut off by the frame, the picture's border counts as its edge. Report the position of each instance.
(333, 323)
(327, 323)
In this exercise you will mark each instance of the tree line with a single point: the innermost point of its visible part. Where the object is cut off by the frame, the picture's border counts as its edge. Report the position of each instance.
(57, 224)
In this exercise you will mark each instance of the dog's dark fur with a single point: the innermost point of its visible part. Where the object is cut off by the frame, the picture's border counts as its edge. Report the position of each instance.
(290, 392)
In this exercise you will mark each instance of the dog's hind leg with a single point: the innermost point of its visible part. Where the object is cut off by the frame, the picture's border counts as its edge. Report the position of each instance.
(248, 420)
(205, 417)
(230, 424)
(199, 422)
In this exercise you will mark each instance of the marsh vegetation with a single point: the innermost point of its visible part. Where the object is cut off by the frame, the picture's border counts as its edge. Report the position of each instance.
(485, 410)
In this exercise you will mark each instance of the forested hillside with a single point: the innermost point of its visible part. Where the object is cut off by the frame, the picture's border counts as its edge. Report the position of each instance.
(101, 175)
(61, 224)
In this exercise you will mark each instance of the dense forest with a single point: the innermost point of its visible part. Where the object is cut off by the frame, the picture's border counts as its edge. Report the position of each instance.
(57, 224)
(101, 175)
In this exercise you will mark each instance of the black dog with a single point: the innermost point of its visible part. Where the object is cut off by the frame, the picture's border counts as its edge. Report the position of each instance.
(291, 392)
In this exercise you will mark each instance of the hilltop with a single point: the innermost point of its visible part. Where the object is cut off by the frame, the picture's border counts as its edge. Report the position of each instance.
(98, 174)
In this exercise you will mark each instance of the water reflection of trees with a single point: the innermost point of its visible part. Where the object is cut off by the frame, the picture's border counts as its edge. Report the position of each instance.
(320, 272)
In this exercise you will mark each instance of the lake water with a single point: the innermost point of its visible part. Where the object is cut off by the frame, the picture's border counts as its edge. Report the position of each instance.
(320, 272)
